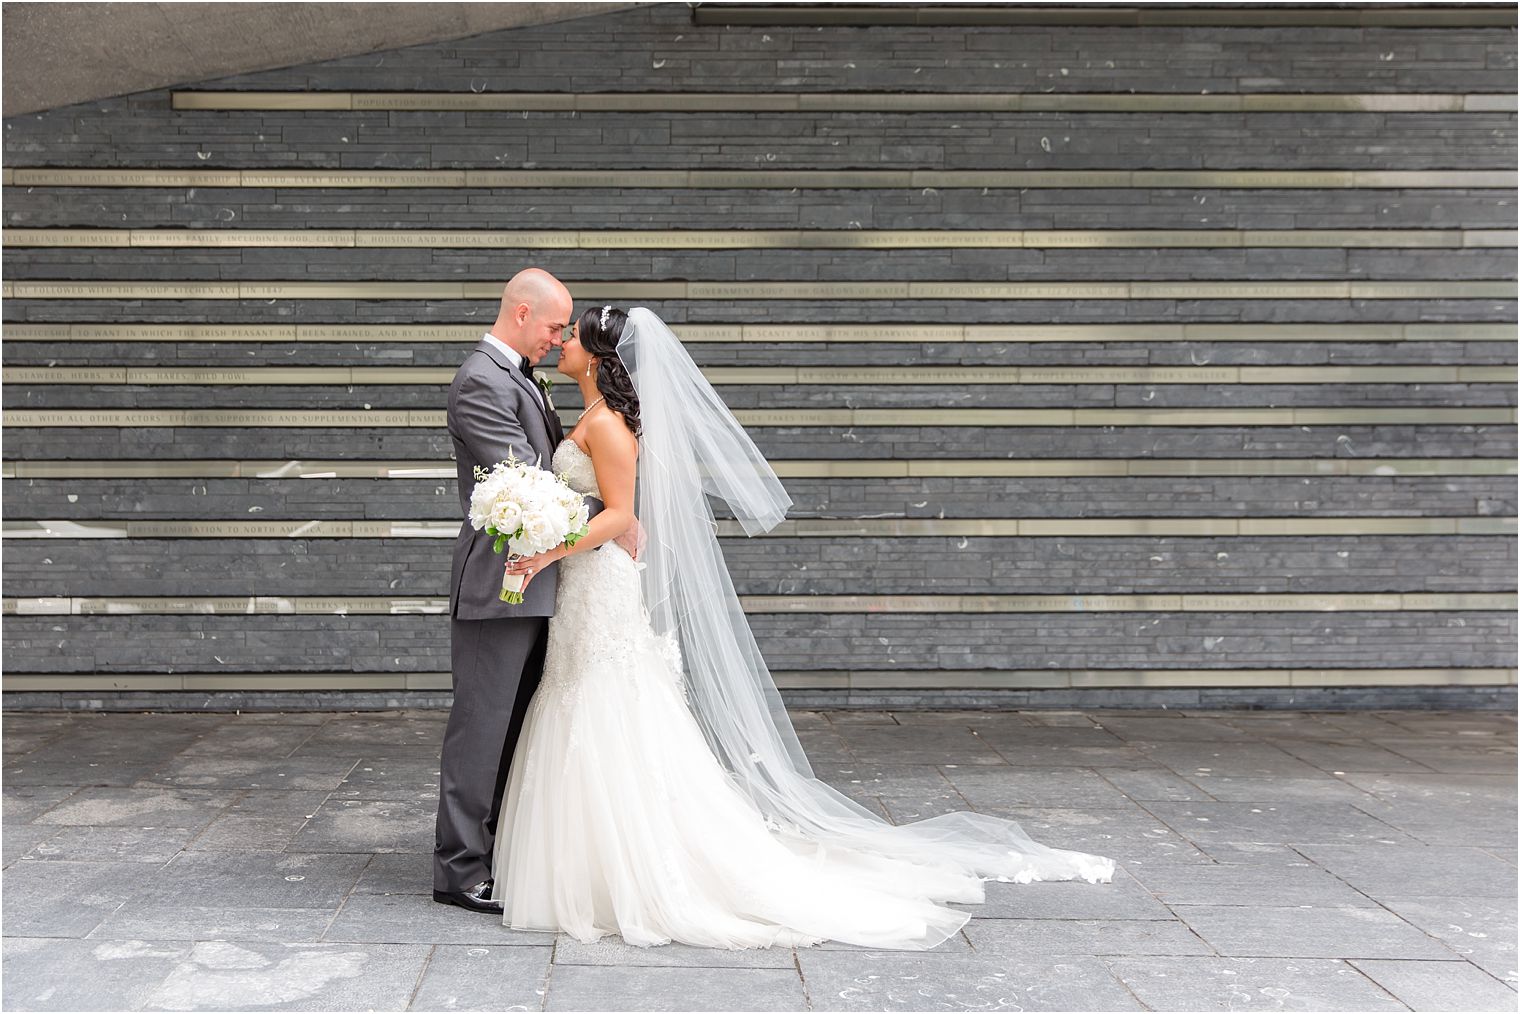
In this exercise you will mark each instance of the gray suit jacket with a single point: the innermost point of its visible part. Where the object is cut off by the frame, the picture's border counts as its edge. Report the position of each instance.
(493, 410)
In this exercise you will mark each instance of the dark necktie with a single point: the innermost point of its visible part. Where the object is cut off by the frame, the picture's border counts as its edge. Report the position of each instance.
(526, 367)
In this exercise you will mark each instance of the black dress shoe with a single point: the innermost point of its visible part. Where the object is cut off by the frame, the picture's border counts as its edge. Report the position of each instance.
(476, 899)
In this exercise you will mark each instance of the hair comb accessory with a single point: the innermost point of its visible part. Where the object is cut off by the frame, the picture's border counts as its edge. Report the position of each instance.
(605, 311)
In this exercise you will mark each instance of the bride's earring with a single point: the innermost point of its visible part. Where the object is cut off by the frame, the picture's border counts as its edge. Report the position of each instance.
(588, 368)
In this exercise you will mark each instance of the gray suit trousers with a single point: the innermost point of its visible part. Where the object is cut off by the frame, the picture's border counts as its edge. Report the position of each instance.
(497, 666)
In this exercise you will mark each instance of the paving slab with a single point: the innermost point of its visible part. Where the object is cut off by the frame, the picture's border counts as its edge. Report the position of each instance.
(1276, 884)
(1045, 755)
(368, 826)
(99, 974)
(24, 803)
(20, 839)
(897, 981)
(1416, 871)
(1242, 760)
(1442, 809)
(148, 919)
(249, 740)
(1437, 788)
(417, 918)
(391, 778)
(256, 879)
(1167, 729)
(593, 987)
(877, 744)
(240, 771)
(1124, 834)
(983, 787)
(1278, 727)
(613, 950)
(1307, 932)
(1354, 756)
(958, 944)
(1084, 936)
(1056, 716)
(99, 806)
(1455, 723)
(1449, 758)
(20, 740)
(1325, 789)
(1440, 985)
(31, 769)
(397, 873)
(972, 718)
(156, 845)
(279, 718)
(1281, 823)
(1151, 783)
(861, 717)
(65, 899)
(236, 833)
(825, 747)
(484, 979)
(263, 975)
(1253, 984)
(1477, 928)
(1246, 853)
(382, 736)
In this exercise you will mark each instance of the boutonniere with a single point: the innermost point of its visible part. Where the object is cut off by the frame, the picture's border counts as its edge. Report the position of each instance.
(545, 385)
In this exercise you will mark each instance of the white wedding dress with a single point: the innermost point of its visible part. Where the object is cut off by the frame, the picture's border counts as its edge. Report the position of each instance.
(618, 818)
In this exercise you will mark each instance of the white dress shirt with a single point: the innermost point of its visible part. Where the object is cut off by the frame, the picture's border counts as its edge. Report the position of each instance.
(516, 358)
(512, 354)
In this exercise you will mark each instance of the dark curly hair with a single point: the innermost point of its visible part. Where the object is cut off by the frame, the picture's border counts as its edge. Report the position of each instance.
(612, 377)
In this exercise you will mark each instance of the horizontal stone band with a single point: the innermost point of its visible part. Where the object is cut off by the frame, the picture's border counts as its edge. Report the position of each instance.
(782, 333)
(940, 417)
(741, 239)
(906, 679)
(430, 418)
(773, 179)
(894, 102)
(764, 604)
(735, 376)
(1132, 15)
(1412, 289)
(165, 468)
(800, 528)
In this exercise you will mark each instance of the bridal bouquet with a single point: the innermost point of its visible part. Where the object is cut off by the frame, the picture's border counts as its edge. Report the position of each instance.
(529, 510)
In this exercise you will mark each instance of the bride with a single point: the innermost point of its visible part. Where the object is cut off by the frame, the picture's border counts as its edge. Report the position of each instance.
(658, 790)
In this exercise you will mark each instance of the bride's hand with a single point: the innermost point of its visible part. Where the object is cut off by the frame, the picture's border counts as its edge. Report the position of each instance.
(530, 566)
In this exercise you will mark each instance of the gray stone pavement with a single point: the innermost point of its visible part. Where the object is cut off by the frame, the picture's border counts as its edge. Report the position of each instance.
(1268, 860)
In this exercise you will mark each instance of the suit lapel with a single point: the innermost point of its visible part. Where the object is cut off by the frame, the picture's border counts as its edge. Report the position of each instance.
(500, 359)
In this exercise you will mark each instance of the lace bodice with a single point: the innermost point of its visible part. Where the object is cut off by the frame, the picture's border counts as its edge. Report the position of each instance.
(574, 465)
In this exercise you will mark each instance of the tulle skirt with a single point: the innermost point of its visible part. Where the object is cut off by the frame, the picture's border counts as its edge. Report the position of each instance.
(618, 819)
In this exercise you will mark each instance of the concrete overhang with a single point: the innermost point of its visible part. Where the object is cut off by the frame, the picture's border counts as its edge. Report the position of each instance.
(58, 54)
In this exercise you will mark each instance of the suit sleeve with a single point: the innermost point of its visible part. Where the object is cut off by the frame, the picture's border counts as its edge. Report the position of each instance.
(485, 419)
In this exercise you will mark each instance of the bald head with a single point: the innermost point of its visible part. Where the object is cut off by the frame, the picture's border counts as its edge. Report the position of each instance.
(535, 307)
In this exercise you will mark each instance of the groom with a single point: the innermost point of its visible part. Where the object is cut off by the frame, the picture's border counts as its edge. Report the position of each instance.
(494, 409)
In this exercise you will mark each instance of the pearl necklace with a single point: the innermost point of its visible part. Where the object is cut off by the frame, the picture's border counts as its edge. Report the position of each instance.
(589, 407)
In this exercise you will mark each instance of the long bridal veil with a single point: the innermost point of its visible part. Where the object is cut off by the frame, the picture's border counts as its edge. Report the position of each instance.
(693, 448)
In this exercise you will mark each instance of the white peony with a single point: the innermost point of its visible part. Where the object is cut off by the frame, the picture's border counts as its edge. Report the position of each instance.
(531, 510)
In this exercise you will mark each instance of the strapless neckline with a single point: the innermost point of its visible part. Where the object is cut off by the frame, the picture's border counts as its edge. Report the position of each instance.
(575, 468)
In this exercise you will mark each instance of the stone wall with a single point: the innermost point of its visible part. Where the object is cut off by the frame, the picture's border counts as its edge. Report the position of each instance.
(1392, 509)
